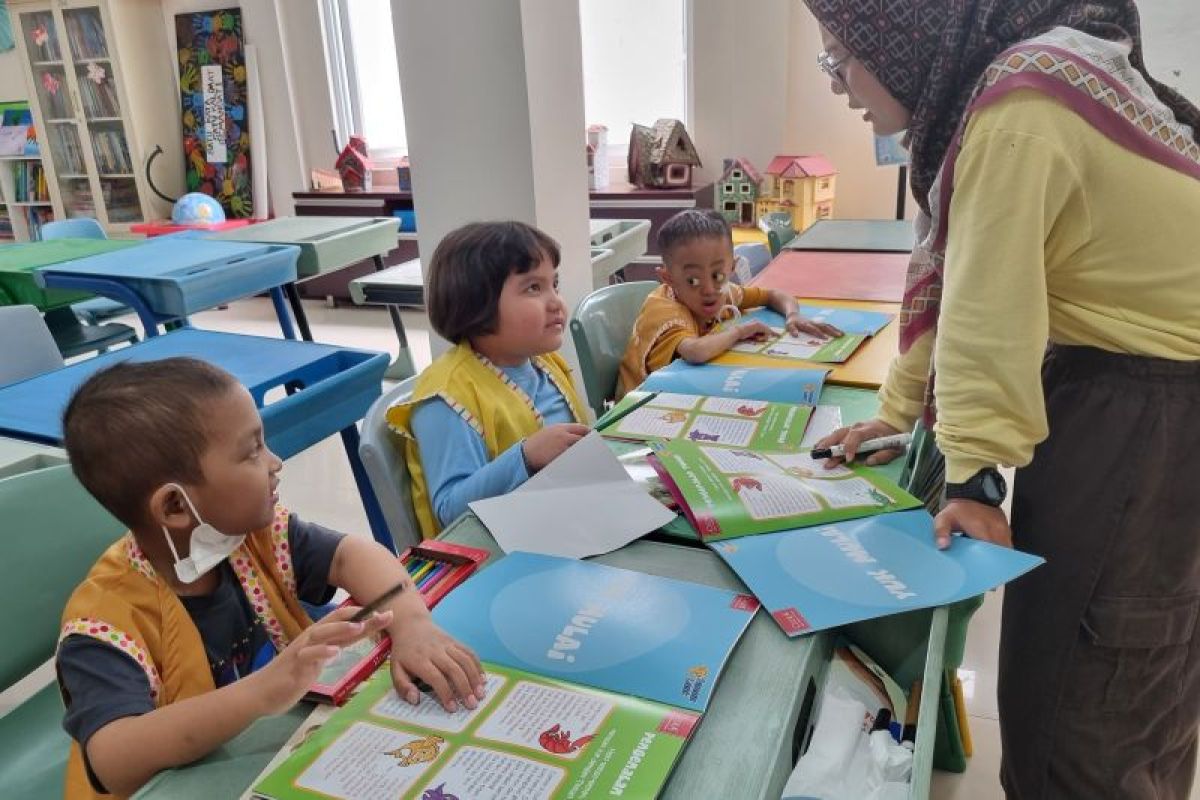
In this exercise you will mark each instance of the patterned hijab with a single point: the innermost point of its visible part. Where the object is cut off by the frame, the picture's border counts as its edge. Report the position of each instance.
(931, 53)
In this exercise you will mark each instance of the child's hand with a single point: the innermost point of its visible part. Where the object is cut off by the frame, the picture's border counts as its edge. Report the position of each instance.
(798, 325)
(549, 443)
(754, 329)
(290, 674)
(423, 651)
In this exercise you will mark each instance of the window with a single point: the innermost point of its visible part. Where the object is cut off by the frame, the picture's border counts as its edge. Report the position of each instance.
(746, 188)
(824, 184)
(365, 78)
(730, 205)
(634, 65)
(736, 175)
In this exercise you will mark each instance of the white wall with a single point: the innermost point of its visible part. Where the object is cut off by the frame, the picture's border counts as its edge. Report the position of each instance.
(12, 77)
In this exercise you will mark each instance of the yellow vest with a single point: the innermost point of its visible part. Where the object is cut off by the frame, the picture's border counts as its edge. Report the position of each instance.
(487, 400)
(123, 603)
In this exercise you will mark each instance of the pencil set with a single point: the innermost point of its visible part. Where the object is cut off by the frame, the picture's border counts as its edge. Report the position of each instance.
(436, 568)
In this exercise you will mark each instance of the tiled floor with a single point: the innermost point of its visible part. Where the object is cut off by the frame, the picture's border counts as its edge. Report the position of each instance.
(317, 484)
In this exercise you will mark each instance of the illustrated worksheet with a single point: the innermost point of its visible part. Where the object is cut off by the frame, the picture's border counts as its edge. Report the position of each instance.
(719, 421)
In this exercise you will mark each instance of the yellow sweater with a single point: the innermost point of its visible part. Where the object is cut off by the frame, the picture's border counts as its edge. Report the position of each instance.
(1057, 234)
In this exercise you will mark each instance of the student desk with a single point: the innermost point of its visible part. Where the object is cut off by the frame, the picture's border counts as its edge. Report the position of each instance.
(878, 277)
(19, 262)
(17, 456)
(745, 748)
(335, 387)
(866, 369)
(326, 244)
(167, 278)
(857, 235)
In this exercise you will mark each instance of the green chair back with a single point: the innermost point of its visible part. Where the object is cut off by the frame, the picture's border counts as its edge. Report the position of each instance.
(53, 532)
(601, 327)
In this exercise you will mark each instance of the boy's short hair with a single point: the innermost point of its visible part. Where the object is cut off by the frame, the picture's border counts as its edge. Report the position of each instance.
(468, 270)
(692, 224)
(132, 427)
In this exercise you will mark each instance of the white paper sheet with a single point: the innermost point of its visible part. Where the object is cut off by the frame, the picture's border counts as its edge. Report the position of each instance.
(581, 504)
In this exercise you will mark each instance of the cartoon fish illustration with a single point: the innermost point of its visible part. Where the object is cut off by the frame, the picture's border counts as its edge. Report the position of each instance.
(438, 793)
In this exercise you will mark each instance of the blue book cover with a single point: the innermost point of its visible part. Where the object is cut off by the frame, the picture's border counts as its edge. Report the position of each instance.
(832, 575)
(847, 320)
(797, 386)
(608, 628)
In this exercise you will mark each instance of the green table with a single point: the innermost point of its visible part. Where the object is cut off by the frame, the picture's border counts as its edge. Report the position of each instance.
(857, 235)
(19, 261)
(328, 244)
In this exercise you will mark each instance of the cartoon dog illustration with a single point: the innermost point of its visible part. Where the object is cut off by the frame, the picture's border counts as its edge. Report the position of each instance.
(418, 751)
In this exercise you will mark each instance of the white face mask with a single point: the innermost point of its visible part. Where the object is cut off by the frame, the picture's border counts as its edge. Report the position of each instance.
(208, 548)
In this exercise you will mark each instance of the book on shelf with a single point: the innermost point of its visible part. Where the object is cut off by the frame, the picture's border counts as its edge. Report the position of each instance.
(35, 218)
(85, 31)
(41, 36)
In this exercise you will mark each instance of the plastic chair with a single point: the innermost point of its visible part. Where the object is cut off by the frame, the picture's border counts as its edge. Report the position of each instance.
(601, 327)
(382, 457)
(55, 531)
(98, 308)
(32, 350)
(754, 256)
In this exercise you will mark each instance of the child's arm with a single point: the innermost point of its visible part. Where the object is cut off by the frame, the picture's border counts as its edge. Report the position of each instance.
(129, 751)
(420, 649)
(785, 304)
(702, 349)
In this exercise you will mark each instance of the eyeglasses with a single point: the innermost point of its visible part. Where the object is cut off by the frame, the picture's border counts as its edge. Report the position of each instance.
(832, 68)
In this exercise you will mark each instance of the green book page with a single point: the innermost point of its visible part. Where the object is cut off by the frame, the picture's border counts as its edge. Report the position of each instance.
(718, 421)
(730, 493)
(783, 345)
(532, 737)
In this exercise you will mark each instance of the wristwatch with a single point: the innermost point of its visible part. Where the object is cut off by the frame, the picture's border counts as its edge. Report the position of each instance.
(986, 486)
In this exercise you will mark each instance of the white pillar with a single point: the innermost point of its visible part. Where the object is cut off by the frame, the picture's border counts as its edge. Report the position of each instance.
(493, 106)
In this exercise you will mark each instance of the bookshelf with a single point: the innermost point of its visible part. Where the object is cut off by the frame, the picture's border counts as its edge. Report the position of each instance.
(103, 94)
(24, 189)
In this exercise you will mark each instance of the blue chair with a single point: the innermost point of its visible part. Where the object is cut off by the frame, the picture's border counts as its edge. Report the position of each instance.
(752, 258)
(98, 308)
(383, 459)
(601, 327)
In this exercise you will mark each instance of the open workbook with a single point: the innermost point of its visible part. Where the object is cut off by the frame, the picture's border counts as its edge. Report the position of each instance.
(719, 421)
(856, 327)
(587, 694)
(727, 493)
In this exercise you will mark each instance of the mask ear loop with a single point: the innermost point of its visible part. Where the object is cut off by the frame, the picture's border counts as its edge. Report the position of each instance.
(192, 508)
(735, 313)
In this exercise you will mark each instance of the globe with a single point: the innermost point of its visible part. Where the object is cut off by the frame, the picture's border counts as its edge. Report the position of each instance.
(197, 208)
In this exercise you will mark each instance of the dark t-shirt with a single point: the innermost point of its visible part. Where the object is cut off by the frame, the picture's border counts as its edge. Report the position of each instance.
(104, 684)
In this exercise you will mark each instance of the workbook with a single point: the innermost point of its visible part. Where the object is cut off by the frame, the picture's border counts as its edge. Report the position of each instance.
(800, 386)
(719, 421)
(831, 575)
(588, 696)
(856, 327)
(727, 493)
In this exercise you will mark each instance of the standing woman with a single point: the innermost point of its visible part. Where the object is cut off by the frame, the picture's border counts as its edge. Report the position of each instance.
(1060, 235)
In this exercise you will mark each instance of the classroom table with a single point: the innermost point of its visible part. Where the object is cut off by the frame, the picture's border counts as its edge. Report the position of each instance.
(17, 456)
(867, 368)
(19, 262)
(857, 235)
(878, 277)
(329, 391)
(326, 244)
(166, 279)
(745, 747)
(164, 227)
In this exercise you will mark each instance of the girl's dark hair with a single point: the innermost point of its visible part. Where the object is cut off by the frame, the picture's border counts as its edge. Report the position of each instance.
(468, 270)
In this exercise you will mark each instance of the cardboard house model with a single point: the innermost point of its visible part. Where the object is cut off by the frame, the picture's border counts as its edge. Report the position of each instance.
(801, 186)
(354, 165)
(661, 157)
(737, 191)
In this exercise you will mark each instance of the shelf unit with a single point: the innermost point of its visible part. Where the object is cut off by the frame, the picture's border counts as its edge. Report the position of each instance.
(103, 92)
(25, 201)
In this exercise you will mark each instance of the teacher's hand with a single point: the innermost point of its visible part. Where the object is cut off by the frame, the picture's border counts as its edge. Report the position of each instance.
(977, 520)
(850, 438)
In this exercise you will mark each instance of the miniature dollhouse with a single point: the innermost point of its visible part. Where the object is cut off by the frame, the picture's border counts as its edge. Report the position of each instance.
(662, 157)
(738, 190)
(354, 165)
(799, 186)
(597, 154)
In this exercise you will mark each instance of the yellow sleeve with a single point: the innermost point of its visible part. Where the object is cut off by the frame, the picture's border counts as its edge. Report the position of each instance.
(753, 297)
(1013, 192)
(902, 395)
